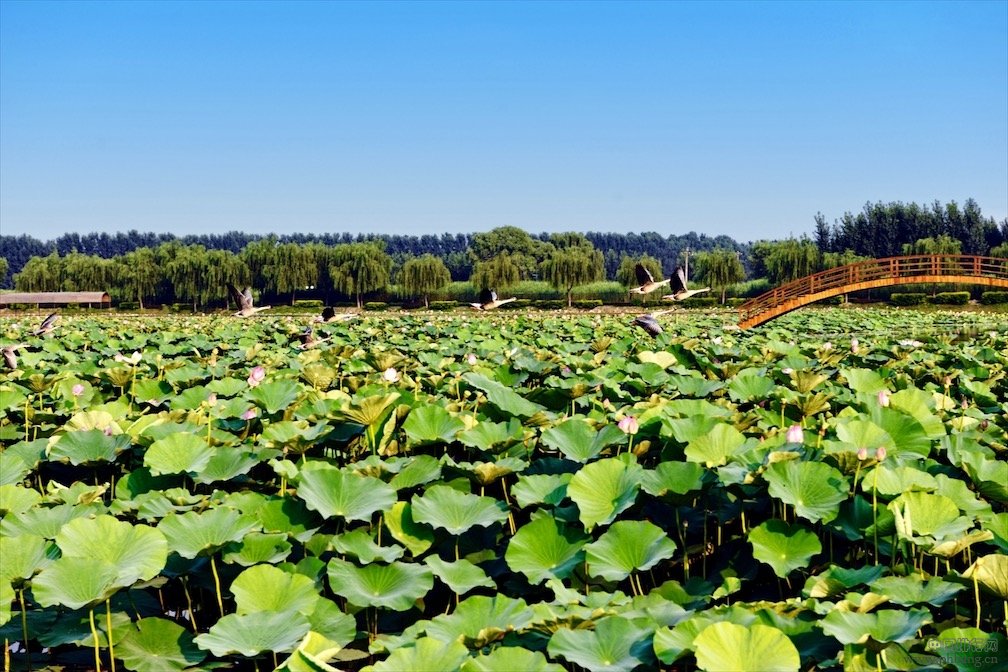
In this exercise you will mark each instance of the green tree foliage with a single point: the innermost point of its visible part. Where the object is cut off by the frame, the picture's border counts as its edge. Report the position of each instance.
(625, 274)
(293, 268)
(1001, 251)
(720, 268)
(792, 259)
(423, 275)
(836, 259)
(525, 252)
(139, 274)
(359, 268)
(4, 267)
(41, 274)
(497, 273)
(573, 265)
(943, 244)
(260, 257)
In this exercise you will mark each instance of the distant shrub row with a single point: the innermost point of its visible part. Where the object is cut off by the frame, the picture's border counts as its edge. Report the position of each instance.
(940, 299)
(991, 298)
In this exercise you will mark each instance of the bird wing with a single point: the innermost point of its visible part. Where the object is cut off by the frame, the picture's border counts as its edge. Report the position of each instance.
(648, 324)
(236, 296)
(328, 313)
(487, 296)
(247, 295)
(643, 275)
(679, 281)
(10, 358)
(47, 323)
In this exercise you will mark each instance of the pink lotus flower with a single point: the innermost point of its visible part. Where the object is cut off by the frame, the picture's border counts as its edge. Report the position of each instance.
(880, 453)
(77, 390)
(883, 398)
(471, 359)
(854, 345)
(250, 414)
(390, 375)
(212, 399)
(628, 425)
(862, 453)
(133, 359)
(795, 434)
(256, 376)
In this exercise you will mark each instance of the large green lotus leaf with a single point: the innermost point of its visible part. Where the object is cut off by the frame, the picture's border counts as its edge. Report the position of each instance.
(626, 547)
(251, 634)
(138, 552)
(885, 625)
(997, 525)
(21, 557)
(910, 590)
(416, 537)
(17, 499)
(75, 582)
(859, 433)
(432, 424)
(991, 572)
(970, 649)
(670, 643)
(88, 446)
(958, 543)
(864, 381)
(192, 534)
(548, 489)
(604, 489)
(226, 463)
(662, 358)
(269, 588)
(427, 654)
(716, 446)
(289, 516)
(153, 392)
(894, 481)
(677, 478)
(545, 548)
(275, 395)
(486, 435)
(362, 546)
(920, 405)
(7, 596)
(461, 576)
(285, 432)
(312, 655)
(419, 470)
(908, 436)
(176, 453)
(814, 489)
(784, 547)
(481, 620)
(227, 387)
(990, 476)
(12, 396)
(445, 507)
(503, 397)
(509, 659)
(45, 522)
(13, 468)
(753, 648)
(329, 621)
(750, 385)
(93, 419)
(615, 645)
(689, 428)
(578, 440)
(158, 644)
(335, 492)
(925, 514)
(395, 586)
(256, 547)
(837, 580)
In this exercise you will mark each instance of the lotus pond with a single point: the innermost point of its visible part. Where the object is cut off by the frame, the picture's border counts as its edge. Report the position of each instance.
(506, 492)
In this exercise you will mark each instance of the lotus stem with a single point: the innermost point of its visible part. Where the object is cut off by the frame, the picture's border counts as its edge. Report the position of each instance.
(26, 405)
(216, 580)
(94, 638)
(511, 523)
(24, 634)
(7, 663)
(874, 510)
(188, 599)
(108, 633)
(976, 596)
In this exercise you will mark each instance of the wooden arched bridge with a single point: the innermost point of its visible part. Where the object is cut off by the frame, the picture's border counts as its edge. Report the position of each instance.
(915, 269)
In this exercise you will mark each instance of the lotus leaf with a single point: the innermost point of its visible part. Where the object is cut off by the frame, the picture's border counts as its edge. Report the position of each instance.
(487, 435)
(179, 452)
(479, 621)
(677, 478)
(991, 572)
(628, 546)
(138, 552)
(16, 499)
(716, 446)
(432, 424)
(419, 470)
(604, 489)
(158, 644)
(425, 655)
(251, 634)
(503, 397)
(444, 507)
(885, 625)
(192, 534)
(362, 546)
(85, 447)
(226, 463)
(21, 557)
(395, 586)
(44, 522)
(275, 395)
(615, 645)
(753, 648)
(328, 621)
(256, 547)
(268, 588)
(75, 582)
(910, 590)
(926, 514)
(548, 489)
(415, 536)
(13, 468)
(864, 381)
(814, 489)
(545, 548)
(784, 547)
(578, 440)
(837, 580)
(509, 659)
(461, 576)
(337, 492)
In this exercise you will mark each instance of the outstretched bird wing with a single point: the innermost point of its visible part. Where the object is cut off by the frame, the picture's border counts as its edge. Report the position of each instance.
(236, 296)
(328, 313)
(649, 324)
(643, 275)
(487, 296)
(47, 324)
(247, 298)
(679, 281)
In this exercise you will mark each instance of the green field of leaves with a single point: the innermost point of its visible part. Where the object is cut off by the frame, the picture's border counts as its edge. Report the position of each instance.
(506, 492)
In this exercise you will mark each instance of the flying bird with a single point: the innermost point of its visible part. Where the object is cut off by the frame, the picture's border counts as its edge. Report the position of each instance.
(244, 301)
(329, 314)
(308, 340)
(489, 301)
(679, 291)
(8, 354)
(649, 323)
(48, 324)
(646, 280)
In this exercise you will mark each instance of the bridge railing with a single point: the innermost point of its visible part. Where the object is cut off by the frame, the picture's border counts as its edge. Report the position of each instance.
(887, 269)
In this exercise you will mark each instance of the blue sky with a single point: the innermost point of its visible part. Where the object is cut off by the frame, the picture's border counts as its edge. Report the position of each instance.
(733, 118)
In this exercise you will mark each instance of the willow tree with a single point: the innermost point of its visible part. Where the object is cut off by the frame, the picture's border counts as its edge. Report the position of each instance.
(422, 276)
(523, 251)
(260, 256)
(41, 274)
(139, 273)
(294, 268)
(720, 268)
(943, 244)
(569, 267)
(4, 266)
(359, 268)
(87, 272)
(497, 273)
(791, 259)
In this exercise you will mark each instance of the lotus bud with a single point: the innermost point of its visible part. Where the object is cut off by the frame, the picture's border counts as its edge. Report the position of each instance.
(795, 434)
(471, 359)
(212, 399)
(250, 414)
(628, 425)
(880, 453)
(77, 390)
(390, 375)
(984, 425)
(256, 376)
(827, 346)
(883, 398)
(854, 345)
(862, 453)
(787, 370)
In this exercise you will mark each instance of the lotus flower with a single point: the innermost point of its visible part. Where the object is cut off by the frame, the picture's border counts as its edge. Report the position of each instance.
(133, 359)
(880, 453)
(250, 414)
(256, 376)
(390, 375)
(854, 343)
(471, 359)
(77, 390)
(795, 434)
(862, 453)
(883, 398)
(212, 399)
(628, 425)
(787, 370)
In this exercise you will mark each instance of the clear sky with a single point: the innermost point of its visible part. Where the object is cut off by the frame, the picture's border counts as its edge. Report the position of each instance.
(733, 118)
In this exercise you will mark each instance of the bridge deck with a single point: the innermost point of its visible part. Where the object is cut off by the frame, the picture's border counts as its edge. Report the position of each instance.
(925, 268)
